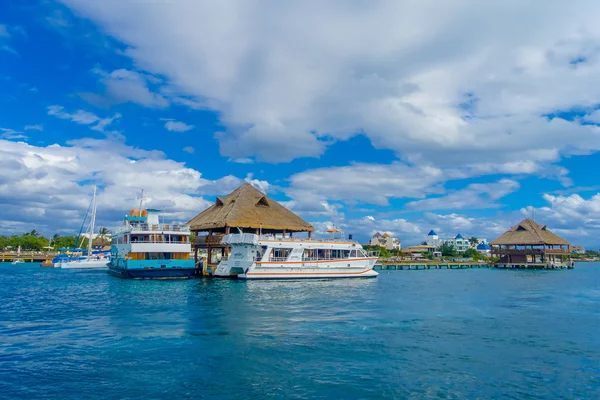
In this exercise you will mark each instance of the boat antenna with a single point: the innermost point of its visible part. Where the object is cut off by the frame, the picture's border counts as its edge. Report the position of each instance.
(141, 198)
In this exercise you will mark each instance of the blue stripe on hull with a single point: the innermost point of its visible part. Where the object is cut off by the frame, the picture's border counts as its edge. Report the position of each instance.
(153, 269)
(171, 273)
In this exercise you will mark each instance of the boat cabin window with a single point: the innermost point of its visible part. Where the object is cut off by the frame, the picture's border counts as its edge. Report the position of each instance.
(159, 256)
(327, 254)
(280, 254)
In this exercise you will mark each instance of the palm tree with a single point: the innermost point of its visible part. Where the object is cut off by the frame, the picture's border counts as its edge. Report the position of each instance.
(34, 233)
(473, 241)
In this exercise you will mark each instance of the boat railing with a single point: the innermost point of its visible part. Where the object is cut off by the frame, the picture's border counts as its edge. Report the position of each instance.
(278, 259)
(159, 240)
(153, 228)
(297, 239)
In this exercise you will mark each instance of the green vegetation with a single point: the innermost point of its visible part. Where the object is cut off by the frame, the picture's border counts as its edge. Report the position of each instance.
(383, 252)
(448, 250)
(588, 254)
(33, 241)
(472, 253)
(473, 241)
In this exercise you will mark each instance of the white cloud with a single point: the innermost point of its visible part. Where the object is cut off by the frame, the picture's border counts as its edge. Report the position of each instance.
(83, 117)
(126, 86)
(11, 134)
(475, 195)
(34, 128)
(177, 126)
(49, 187)
(189, 149)
(243, 160)
(263, 186)
(453, 85)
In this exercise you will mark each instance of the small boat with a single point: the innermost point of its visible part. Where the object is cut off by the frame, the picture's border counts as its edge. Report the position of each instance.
(89, 261)
(145, 248)
(17, 261)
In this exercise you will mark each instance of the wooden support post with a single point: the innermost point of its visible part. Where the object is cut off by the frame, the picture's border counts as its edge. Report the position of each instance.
(309, 234)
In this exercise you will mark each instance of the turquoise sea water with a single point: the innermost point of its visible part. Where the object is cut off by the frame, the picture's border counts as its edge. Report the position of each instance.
(458, 334)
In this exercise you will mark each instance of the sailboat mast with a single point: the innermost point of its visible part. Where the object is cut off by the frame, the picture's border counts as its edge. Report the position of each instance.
(92, 223)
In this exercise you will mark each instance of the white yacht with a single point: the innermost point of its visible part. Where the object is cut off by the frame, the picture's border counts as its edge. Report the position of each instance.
(90, 261)
(269, 257)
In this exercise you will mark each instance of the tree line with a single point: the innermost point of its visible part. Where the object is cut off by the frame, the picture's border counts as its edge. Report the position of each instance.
(34, 241)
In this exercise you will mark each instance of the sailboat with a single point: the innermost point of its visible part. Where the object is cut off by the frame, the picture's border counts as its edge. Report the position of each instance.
(90, 261)
(18, 259)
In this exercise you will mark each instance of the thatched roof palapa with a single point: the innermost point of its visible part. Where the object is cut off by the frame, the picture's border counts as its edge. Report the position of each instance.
(529, 232)
(247, 207)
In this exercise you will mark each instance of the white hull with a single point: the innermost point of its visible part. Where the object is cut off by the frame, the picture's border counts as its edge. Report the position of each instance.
(84, 264)
(308, 273)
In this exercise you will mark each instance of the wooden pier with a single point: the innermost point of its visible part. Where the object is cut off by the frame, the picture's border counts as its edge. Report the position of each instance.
(415, 265)
(27, 256)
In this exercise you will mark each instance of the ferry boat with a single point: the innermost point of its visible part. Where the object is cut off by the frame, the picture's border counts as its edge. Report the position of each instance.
(144, 248)
(268, 257)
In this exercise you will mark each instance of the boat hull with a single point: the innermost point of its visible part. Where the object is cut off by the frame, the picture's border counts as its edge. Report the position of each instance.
(99, 264)
(307, 275)
(173, 273)
(153, 269)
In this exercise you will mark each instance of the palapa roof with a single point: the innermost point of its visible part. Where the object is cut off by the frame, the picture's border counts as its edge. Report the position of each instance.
(528, 232)
(248, 207)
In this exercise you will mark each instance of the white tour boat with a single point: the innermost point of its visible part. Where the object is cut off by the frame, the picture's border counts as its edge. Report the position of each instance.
(269, 257)
(91, 261)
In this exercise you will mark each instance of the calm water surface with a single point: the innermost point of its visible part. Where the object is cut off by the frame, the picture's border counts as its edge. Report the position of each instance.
(460, 334)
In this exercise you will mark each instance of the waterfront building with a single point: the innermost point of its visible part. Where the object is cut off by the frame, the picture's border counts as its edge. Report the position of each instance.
(419, 251)
(246, 210)
(529, 244)
(256, 237)
(459, 243)
(385, 241)
(433, 239)
(484, 248)
(578, 249)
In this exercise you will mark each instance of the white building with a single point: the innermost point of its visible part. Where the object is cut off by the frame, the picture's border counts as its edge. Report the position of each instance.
(385, 240)
(433, 239)
(459, 243)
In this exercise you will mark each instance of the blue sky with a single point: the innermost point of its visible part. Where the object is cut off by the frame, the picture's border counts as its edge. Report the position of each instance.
(453, 122)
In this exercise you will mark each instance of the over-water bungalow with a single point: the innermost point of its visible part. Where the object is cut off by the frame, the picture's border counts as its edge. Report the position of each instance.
(246, 209)
(531, 245)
